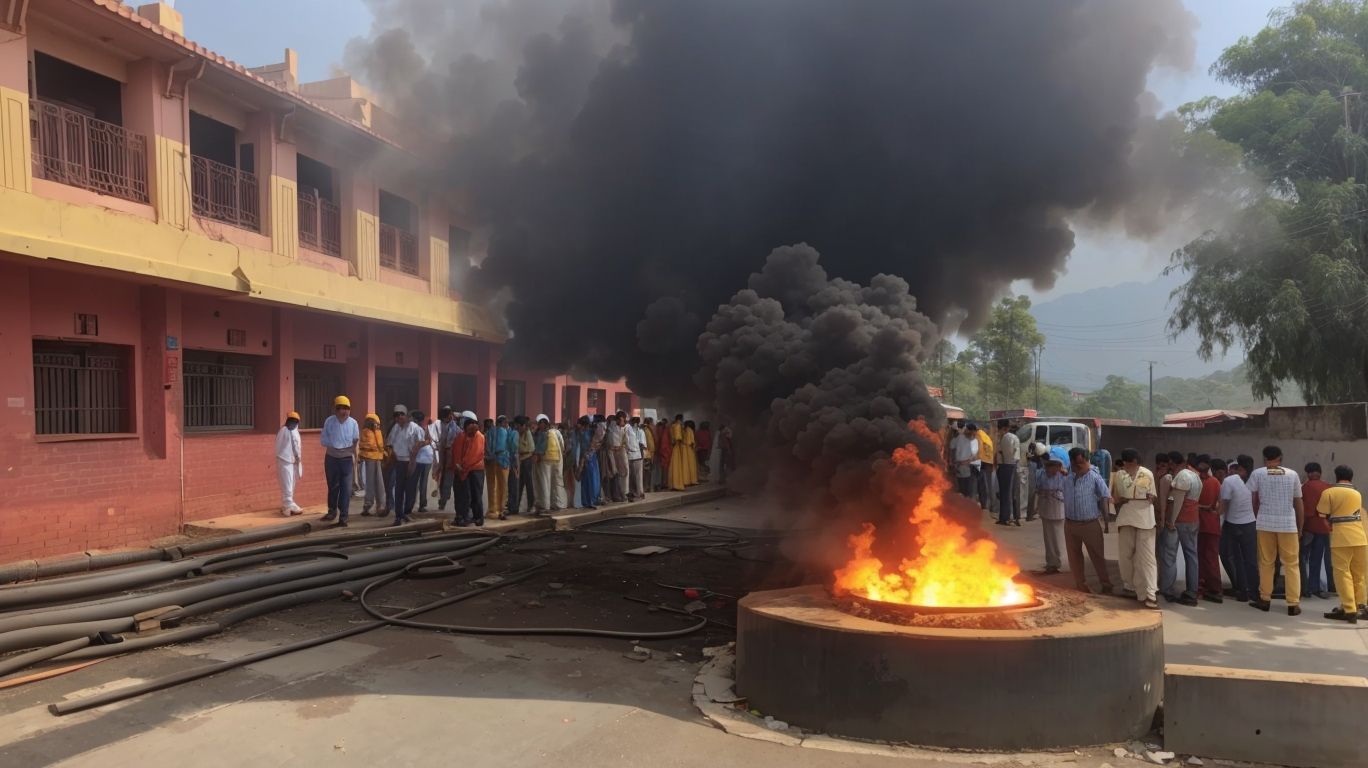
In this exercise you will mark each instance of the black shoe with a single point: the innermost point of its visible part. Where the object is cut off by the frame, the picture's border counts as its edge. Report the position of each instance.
(1017, 523)
(1106, 589)
(382, 513)
(328, 518)
(1001, 522)
(1323, 595)
(1260, 604)
(1230, 592)
(1168, 598)
(1339, 615)
(398, 521)
(1030, 518)
(479, 523)
(365, 513)
(339, 524)
(1187, 600)
(1213, 598)
(1294, 610)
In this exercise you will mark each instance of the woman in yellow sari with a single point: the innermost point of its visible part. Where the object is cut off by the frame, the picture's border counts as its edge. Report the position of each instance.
(690, 454)
(679, 471)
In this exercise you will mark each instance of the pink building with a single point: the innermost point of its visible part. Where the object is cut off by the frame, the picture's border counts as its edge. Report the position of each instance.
(189, 249)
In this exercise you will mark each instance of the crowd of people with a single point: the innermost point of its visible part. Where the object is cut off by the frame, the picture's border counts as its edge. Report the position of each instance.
(505, 466)
(1209, 514)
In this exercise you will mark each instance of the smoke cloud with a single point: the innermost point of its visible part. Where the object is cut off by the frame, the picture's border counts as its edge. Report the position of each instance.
(635, 162)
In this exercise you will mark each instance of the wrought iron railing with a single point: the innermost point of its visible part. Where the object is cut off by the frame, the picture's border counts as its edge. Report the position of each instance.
(224, 193)
(398, 249)
(320, 223)
(78, 150)
(79, 394)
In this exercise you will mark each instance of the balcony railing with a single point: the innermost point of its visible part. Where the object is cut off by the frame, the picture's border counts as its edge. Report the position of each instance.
(320, 223)
(398, 249)
(75, 149)
(224, 193)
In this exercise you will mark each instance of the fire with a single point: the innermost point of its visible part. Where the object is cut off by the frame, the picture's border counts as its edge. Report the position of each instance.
(947, 569)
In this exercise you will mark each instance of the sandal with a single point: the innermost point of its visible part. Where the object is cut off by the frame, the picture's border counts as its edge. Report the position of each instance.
(1152, 605)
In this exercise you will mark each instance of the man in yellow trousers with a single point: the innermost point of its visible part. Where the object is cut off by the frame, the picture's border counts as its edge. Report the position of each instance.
(1343, 505)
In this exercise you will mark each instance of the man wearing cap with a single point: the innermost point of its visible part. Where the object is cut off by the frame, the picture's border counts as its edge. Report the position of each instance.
(636, 448)
(550, 450)
(588, 467)
(617, 457)
(405, 439)
(467, 462)
(289, 464)
(372, 453)
(339, 438)
(523, 474)
(1050, 484)
(448, 429)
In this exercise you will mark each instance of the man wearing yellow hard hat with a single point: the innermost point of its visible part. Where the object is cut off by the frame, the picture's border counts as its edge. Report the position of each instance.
(289, 463)
(339, 438)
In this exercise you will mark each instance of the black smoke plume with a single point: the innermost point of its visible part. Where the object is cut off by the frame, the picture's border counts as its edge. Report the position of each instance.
(635, 162)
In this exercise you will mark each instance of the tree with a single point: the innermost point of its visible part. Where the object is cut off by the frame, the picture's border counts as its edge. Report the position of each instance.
(1004, 350)
(1119, 398)
(1288, 278)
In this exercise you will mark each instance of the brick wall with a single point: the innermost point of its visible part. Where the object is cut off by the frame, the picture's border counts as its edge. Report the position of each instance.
(68, 497)
(231, 473)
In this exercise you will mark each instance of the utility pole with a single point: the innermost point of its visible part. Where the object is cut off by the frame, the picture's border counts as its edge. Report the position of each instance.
(1151, 391)
(1038, 351)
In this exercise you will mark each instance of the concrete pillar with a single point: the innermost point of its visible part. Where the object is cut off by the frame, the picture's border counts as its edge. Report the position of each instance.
(486, 373)
(277, 167)
(360, 223)
(16, 153)
(278, 373)
(16, 362)
(165, 123)
(160, 395)
(427, 374)
(432, 246)
(360, 378)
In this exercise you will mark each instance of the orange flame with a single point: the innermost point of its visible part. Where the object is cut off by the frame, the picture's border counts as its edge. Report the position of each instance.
(947, 570)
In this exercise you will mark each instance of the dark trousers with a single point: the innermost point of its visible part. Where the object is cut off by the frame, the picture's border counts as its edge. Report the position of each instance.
(524, 487)
(1315, 563)
(1209, 562)
(1243, 550)
(1080, 535)
(405, 488)
(1009, 507)
(984, 481)
(424, 473)
(339, 474)
(470, 498)
(966, 485)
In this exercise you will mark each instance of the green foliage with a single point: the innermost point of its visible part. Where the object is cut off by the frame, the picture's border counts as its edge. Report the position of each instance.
(1003, 353)
(1286, 279)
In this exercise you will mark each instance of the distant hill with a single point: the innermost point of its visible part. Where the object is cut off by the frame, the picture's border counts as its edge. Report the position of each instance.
(1228, 390)
(1113, 330)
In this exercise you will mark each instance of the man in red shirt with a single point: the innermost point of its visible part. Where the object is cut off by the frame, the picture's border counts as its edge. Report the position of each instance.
(1209, 533)
(466, 460)
(1315, 539)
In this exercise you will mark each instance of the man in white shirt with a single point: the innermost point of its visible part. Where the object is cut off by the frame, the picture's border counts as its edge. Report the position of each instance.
(1275, 492)
(964, 448)
(289, 463)
(1006, 455)
(636, 443)
(406, 439)
(1238, 537)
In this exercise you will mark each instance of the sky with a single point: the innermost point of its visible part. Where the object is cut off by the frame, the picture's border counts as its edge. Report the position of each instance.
(319, 30)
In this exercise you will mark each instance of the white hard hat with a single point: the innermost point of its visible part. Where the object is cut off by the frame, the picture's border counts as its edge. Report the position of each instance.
(1039, 449)
(469, 415)
(543, 417)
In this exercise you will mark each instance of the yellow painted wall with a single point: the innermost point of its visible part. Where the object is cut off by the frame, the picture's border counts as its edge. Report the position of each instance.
(171, 182)
(284, 217)
(92, 235)
(16, 152)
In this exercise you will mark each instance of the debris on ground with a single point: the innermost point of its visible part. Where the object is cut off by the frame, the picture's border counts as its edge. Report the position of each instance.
(1195, 760)
(695, 606)
(638, 654)
(647, 551)
(556, 585)
(1159, 758)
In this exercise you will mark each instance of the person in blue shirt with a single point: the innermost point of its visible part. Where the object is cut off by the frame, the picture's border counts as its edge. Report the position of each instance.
(1084, 499)
(498, 459)
(339, 437)
(588, 464)
(1050, 482)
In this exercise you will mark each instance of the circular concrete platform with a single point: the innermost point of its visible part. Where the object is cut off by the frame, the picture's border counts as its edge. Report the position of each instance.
(1080, 671)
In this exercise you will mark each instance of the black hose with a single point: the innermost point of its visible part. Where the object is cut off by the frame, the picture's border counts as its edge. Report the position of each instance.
(193, 594)
(110, 697)
(19, 661)
(399, 620)
(57, 633)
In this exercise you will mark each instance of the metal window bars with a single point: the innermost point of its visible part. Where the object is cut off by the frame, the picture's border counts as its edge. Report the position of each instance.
(224, 193)
(218, 397)
(320, 223)
(398, 249)
(77, 394)
(78, 150)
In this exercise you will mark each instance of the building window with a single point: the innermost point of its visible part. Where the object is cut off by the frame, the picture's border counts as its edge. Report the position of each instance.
(77, 135)
(596, 400)
(320, 219)
(398, 244)
(511, 397)
(623, 402)
(222, 184)
(458, 258)
(81, 389)
(219, 392)
(316, 384)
